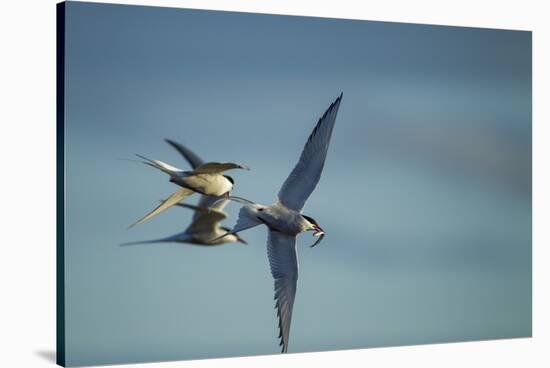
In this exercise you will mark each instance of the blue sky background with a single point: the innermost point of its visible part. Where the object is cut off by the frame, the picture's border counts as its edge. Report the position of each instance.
(425, 196)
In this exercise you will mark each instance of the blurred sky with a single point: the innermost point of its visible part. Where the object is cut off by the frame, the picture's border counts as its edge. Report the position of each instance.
(425, 196)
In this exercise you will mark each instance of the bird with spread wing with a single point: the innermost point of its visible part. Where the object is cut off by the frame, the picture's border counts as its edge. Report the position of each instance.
(284, 218)
(205, 178)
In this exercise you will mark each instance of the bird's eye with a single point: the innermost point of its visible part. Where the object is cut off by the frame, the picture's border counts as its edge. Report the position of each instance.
(260, 209)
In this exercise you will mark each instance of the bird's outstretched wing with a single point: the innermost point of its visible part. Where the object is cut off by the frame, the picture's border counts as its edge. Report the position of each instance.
(304, 177)
(167, 203)
(218, 167)
(194, 160)
(283, 260)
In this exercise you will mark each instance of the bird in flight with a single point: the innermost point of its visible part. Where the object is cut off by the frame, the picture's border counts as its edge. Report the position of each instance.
(205, 228)
(284, 218)
(205, 178)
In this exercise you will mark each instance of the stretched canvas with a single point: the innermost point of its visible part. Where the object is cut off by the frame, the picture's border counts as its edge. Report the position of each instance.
(201, 155)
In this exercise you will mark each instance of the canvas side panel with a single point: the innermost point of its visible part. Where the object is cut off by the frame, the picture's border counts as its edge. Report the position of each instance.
(60, 188)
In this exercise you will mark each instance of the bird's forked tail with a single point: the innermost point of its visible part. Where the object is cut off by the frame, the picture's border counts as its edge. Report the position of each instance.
(162, 166)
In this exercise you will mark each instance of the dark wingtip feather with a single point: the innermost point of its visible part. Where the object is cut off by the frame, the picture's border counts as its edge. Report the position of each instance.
(281, 339)
(189, 155)
(338, 99)
(174, 145)
(327, 111)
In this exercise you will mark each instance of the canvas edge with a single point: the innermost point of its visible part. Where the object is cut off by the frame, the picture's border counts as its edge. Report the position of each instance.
(60, 184)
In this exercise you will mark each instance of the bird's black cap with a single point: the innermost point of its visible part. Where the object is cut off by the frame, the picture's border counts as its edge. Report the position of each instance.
(310, 219)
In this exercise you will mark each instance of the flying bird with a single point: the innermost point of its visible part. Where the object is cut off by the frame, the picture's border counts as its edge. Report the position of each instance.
(284, 218)
(206, 201)
(205, 178)
(205, 228)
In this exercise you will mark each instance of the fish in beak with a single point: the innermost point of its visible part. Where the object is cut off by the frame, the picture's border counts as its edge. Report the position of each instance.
(318, 232)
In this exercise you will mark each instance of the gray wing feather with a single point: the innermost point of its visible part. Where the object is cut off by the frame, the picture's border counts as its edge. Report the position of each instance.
(306, 174)
(218, 167)
(246, 220)
(176, 197)
(194, 160)
(283, 260)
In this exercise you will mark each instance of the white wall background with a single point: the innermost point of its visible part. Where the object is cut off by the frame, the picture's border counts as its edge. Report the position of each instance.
(27, 144)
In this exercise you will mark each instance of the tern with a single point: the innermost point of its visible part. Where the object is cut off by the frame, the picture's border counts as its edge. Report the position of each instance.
(284, 218)
(205, 178)
(205, 228)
